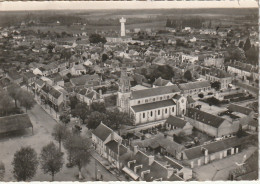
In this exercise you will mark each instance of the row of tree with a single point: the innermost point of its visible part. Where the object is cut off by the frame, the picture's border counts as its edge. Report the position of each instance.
(9, 99)
(95, 113)
(51, 159)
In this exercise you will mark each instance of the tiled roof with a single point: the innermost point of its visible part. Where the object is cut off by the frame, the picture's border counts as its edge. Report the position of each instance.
(14, 122)
(102, 131)
(241, 109)
(194, 85)
(160, 82)
(155, 91)
(204, 117)
(177, 96)
(154, 105)
(175, 121)
(173, 163)
(196, 152)
(115, 147)
(29, 74)
(82, 80)
(14, 75)
(190, 100)
(55, 93)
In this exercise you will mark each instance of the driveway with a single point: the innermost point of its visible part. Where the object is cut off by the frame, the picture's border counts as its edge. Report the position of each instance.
(219, 170)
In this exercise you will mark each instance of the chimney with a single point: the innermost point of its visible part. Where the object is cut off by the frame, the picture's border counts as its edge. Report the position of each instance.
(129, 163)
(144, 172)
(206, 152)
(170, 172)
(150, 159)
(138, 166)
(135, 149)
(100, 93)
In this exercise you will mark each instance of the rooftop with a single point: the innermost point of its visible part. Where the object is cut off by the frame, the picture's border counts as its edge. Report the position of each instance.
(194, 85)
(154, 105)
(155, 91)
(102, 131)
(204, 117)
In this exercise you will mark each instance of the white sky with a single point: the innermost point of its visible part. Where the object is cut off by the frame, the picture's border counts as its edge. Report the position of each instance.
(86, 5)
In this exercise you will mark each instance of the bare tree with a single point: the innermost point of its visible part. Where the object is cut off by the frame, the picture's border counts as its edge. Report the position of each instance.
(59, 133)
(25, 164)
(51, 160)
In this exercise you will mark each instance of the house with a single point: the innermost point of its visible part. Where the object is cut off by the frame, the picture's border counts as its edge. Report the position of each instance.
(161, 82)
(107, 142)
(189, 58)
(212, 125)
(143, 167)
(86, 81)
(89, 96)
(215, 74)
(207, 153)
(175, 125)
(215, 61)
(253, 125)
(14, 77)
(29, 78)
(194, 88)
(78, 70)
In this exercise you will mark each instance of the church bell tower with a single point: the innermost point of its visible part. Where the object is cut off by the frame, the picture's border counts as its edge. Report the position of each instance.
(124, 92)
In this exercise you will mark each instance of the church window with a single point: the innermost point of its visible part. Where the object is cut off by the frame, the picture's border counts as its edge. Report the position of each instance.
(166, 111)
(172, 109)
(143, 115)
(146, 100)
(159, 111)
(151, 113)
(168, 97)
(153, 99)
(138, 101)
(161, 98)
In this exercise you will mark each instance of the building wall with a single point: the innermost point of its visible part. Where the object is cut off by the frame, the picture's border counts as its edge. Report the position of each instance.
(224, 81)
(212, 131)
(154, 114)
(197, 162)
(197, 91)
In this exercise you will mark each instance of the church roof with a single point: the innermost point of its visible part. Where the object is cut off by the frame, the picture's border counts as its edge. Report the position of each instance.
(155, 91)
(154, 105)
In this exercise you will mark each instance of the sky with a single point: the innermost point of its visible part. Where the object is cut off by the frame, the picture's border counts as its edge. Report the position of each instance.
(86, 5)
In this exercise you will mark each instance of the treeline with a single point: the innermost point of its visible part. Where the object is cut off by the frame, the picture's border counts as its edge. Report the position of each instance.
(195, 22)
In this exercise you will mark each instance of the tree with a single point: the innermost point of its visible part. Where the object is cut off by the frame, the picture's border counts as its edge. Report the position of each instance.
(51, 159)
(188, 75)
(2, 171)
(6, 103)
(26, 100)
(104, 57)
(82, 110)
(241, 44)
(216, 85)
(25, 164)
(14, 92)
(65, 118)
(80, 153)
(96, 38)
(98, 106)
(95, 118)
(73, 101)
(247, 45)
(240, 131)
(116, 119)
(200, 95)
(59, 133)
(68, 144)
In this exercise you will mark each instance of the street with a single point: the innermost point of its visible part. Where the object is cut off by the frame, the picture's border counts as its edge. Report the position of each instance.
(219, 170)
(43, 125)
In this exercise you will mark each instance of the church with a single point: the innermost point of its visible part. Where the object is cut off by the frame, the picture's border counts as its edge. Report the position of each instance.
(150, 105)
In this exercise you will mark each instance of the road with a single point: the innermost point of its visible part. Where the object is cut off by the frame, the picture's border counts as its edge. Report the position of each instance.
(219, 170)
(43, 125)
